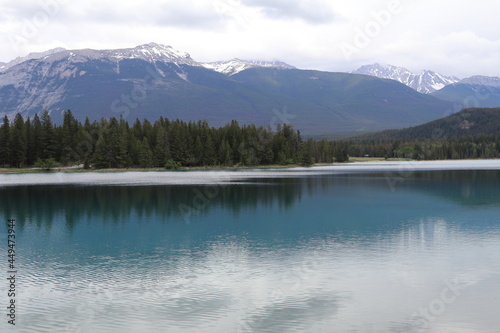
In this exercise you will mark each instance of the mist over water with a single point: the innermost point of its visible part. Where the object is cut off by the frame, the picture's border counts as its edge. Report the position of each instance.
(313, 252)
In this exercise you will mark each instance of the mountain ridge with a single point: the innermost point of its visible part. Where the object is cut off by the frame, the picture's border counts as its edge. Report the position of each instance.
(426, 82)
(468, 122)
(152, 80)
(234, 66)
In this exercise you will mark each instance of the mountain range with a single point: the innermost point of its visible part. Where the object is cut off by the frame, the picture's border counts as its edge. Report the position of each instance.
(475, 91)
(153, 80)
(426, 82)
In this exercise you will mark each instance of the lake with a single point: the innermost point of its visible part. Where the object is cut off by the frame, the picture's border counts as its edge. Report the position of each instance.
(391, 248)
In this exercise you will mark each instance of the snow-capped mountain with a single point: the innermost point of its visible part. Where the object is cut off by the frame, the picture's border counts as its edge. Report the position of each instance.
(153, 80)
(231, 67)
(33, 55)
(426, 82)
(149, 52)
(477, 91)
(152, 52)
(41, 80)
(478, 80)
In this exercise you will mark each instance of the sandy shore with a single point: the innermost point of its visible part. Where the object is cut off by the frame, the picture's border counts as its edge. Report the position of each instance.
(212, 177)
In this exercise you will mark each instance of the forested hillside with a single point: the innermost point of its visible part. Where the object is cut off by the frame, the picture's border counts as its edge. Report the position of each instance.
(470, 133)
(468, 122)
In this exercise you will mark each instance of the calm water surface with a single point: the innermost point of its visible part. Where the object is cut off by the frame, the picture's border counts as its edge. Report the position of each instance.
(373, 252)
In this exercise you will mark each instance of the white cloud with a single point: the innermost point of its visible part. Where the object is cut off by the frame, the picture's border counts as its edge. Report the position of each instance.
(456, 38)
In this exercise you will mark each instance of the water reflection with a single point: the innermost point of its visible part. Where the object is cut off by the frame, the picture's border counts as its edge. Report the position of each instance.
(310, 254)
(468, 188)
(171, 203)
(233, 285)
(116, 204)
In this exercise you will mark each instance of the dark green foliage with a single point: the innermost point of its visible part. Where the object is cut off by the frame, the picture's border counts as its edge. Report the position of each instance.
(145, 154)
(5, 143)
(470, 133)
(468, 122)
(47, 164)
(18, 142)
(69, 133)
(112, 143)
(172, 165)
(341, 155)
(48, 137)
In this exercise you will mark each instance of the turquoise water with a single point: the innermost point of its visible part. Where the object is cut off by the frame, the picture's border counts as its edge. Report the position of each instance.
(364, 252)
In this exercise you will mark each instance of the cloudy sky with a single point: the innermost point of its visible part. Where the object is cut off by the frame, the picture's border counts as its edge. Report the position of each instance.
(460, 38)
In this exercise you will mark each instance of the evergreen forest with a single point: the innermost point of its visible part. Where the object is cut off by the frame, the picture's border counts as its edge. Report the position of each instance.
(172, 144)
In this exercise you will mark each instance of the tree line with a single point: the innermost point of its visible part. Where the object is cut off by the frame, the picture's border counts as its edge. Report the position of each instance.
(470, 122)
(113, 143)
(470, 133)
(443, 148)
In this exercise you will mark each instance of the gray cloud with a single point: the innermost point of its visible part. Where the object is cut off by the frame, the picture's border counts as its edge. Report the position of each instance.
(188, 17)
(306, 34)
(185, 15)
(314, 12)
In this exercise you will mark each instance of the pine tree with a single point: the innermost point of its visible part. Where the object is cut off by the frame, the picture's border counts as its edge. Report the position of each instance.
(145, 154)
(225, 153)
(209, 156)
(134, 149)
(162, 149)
(69, 133)
(18, 142)
(100, 158)
(85, 142)
(178, 144)
(116, 152)
(148, 132)
(48, 138)
(123, 143)
(137, 130)
(341, 155)
(37, 139)
(306, 153)
(198, 151)
(30, 142)
(106, 147)
(5, 143)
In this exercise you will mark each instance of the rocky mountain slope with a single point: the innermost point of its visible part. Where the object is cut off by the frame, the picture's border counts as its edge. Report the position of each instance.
(153, 80)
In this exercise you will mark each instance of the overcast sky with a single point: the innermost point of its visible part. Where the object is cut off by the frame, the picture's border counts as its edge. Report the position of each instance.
(460, 38)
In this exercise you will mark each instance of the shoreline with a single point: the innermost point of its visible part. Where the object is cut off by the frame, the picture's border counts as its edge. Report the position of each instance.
(216, 177)
(78, 169)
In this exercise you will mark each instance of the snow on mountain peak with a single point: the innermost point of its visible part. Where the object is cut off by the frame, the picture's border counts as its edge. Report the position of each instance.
(426, 82)
(234, 66)
(491, 81)
(150, 52)
(153, 52)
